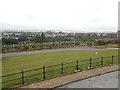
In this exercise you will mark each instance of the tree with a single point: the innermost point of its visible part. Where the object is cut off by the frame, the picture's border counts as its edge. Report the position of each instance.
(40, 38)
(9, 41)
(101, 42)
(37, 39)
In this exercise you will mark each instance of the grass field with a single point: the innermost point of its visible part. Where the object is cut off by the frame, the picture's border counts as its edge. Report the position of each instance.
(13, 64)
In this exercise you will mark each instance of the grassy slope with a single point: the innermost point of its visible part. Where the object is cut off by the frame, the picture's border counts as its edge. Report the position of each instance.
(14, 64)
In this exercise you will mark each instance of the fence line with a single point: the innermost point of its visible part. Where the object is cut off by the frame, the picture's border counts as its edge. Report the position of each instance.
(61, 69)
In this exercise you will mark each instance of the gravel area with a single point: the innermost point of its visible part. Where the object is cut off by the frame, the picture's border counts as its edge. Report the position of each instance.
(51, 50)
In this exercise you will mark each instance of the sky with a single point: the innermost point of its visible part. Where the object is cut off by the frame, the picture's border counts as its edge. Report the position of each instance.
(59, 15)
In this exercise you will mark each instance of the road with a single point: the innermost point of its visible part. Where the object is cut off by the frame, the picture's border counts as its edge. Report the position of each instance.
(51, 50)
(108, 80)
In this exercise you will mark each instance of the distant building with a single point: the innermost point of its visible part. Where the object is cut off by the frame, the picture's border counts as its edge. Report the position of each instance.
(7, 33)
(17, 34)
(118, 34)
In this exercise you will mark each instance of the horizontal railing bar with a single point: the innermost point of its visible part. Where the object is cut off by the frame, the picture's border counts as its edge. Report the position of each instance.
(116, 56)
(95, 62)
(83, 60)
(106, 57)
(52, 65)
(69, 67)
(111, 56)
(52, 70)
(33, 75)
(10, 80)
(10, 74)
(84, 64)
(32, 70)
(68, 63)
(107, 61)
(96, 58)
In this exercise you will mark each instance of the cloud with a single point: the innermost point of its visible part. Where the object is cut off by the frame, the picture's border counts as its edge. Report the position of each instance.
(60, 14)
(30, 16)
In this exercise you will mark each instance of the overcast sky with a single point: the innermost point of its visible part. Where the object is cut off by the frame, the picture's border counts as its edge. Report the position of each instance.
(61, 15)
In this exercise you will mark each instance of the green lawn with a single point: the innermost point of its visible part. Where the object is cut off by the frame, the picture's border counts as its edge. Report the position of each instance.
(13, 64)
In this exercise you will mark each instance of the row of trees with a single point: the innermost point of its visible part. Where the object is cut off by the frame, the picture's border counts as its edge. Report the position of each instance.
(107, 42)
(36, 39)
(69, 37)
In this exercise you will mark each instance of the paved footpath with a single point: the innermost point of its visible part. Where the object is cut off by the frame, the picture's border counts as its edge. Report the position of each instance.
(52, 50)
(108, 80)
(56, 82)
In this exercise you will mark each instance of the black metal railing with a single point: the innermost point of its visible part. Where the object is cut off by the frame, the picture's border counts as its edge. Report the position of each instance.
(76, 65)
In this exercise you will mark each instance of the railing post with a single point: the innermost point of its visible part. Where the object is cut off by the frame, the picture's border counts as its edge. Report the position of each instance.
(62, 68)
(43, 72)
(90, 62)
(101, 61)
(77, 65)
(22, 77)
(112, 59)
